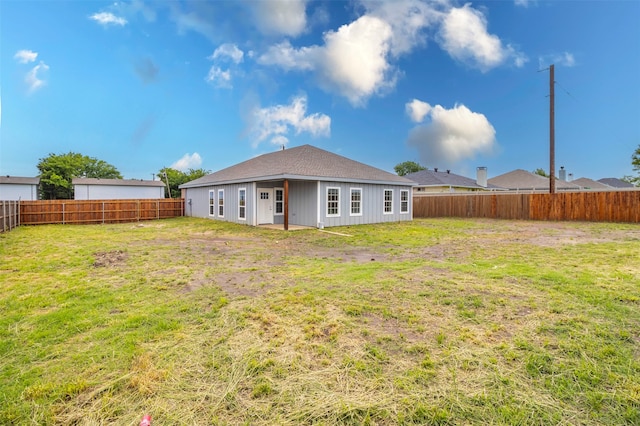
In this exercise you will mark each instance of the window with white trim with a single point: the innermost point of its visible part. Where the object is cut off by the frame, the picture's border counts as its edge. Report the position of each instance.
(404, 201)
(242, 204)
(356, 202)
(388, 201)
(333, 202)
(221, 203)
(279, 201)
(212, 203)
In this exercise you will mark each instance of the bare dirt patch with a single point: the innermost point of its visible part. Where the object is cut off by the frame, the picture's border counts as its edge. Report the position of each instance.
(553, 234)
(110, 259)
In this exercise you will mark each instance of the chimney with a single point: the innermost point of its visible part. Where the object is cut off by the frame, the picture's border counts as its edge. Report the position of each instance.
(481, 176)
(435, 169)
(563, 174)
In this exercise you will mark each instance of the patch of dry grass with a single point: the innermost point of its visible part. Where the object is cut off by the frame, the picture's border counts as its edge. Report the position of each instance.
(430, 322)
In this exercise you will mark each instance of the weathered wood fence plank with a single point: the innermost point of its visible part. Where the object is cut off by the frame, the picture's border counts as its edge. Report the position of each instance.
(98, 211)
(9, 215)
(605, 206)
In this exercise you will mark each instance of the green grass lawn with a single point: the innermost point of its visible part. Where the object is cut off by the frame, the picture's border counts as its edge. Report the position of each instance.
(438, 321)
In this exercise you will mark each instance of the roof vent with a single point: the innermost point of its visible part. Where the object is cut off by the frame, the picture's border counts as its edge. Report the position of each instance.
(448, 171)
(435, 169)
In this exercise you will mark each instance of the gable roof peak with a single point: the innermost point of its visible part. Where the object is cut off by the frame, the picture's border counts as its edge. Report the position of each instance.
(300, 162)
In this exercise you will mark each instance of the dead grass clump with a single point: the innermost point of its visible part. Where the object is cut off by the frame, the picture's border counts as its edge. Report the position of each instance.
(110, 259)
(145, 376)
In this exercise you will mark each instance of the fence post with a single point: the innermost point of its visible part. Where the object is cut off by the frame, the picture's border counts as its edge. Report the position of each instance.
(157, 209)
(4, 216)
(63, 213)
(19, 207)
(103, 212)
(138, 210)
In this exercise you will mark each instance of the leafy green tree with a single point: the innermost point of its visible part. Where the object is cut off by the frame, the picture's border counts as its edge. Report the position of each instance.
(403, 169)
(635, 164)
(540, 172)
(58, 170)
(177, 178)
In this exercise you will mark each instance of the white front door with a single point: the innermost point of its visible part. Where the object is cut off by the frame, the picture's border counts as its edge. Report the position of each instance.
(265, 206)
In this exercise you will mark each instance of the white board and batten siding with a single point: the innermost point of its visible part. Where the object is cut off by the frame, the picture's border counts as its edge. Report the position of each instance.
(199, 202)
(371, 204)
(307, 203)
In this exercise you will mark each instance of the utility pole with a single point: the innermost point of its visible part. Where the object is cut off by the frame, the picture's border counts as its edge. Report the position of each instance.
(167, 180)
(552, 137)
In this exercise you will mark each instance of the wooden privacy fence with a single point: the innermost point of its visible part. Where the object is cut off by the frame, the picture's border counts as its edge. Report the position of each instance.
(10, 212)
(98, 211)
(606, 206)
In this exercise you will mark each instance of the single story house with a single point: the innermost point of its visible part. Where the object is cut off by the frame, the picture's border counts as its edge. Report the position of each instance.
(590, 184)
(116, 189)
(523, 181)
(19, 188)
(443, 181)
(304, 186)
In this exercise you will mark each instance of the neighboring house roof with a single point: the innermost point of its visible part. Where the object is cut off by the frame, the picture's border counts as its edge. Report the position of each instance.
(433, 178)
(616, 183)
(302, 162)
(116, 182)
(526, 181)
(586, 183)
(19, 180)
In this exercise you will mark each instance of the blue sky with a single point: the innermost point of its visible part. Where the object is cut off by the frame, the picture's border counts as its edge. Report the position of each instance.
(199, 84)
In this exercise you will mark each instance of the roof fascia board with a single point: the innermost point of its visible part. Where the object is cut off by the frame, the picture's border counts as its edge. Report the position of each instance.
(297, 177)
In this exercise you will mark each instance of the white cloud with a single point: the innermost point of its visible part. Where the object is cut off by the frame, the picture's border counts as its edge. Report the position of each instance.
(280, 17)
(352, 62)
(523, 3)
(228, 50)
(199, 18)
(33, 78)
(289, 58)
(25, 56)
(357, 60)
(464, 36)
(188, 161)
(565, 59)
(275, 122)
(452, 135)
(219, 78)
(417, 110)
(408, 20)
(280, 140)
(108, 18)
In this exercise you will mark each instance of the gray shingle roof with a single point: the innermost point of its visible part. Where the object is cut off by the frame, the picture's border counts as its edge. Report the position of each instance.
(526, 181)
(586, 183)
(615, 183)
(444, 178)
(19, 180)
(116, 182)
(304, 162)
